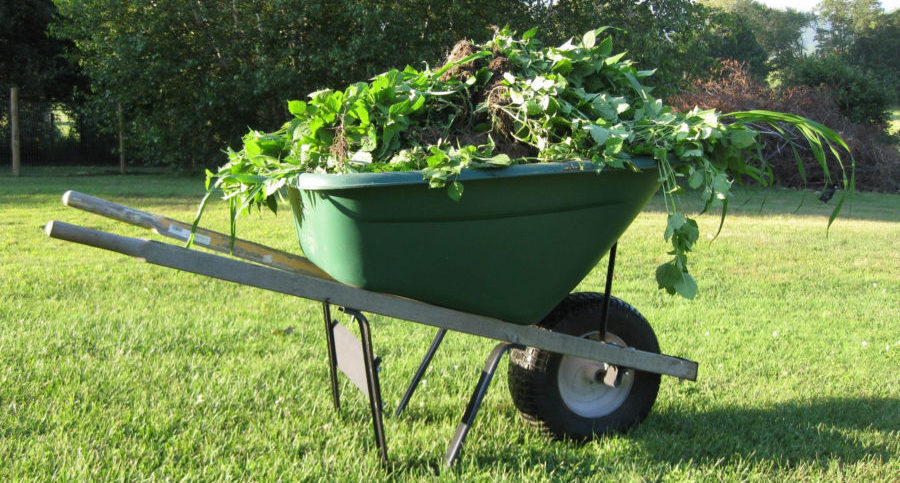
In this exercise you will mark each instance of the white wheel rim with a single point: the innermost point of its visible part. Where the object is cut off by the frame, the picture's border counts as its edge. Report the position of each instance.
(580, 389)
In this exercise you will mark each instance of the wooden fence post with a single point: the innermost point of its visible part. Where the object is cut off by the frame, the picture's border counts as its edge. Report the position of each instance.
(14, 128)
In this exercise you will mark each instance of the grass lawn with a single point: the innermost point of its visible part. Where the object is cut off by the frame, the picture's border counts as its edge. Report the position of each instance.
(114, 369)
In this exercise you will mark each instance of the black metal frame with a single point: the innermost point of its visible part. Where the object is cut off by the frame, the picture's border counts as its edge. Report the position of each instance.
(607, 294)
(423, 366)
(490, 367)
(374, 390)
(370, 363)
(484, 382)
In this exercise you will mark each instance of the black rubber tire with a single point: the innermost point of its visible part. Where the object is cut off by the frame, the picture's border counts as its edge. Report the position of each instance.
(533, 373)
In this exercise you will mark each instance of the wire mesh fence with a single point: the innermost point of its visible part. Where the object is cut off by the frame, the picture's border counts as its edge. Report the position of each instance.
(54, 134)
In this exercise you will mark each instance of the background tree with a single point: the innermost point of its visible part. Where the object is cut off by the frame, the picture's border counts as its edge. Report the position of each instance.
(657, 34)
(32, 64)
(875, 50)
(857, 95)
(193, 76)
(843, 21)
(29, 57)
(729, 36)
(778, 32)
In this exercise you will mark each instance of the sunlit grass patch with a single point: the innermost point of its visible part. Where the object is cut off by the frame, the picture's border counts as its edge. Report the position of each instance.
(113, 369)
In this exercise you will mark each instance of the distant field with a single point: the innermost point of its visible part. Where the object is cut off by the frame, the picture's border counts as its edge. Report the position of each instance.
(113, 369)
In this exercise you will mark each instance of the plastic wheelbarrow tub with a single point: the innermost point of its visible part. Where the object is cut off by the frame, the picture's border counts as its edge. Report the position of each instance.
(520, 239)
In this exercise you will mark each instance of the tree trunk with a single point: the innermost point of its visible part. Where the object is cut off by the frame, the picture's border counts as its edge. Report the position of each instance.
(121, 139)
(14, 128)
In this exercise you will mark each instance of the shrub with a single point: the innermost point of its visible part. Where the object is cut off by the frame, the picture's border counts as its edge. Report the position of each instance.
(857, 94)
(731, 88)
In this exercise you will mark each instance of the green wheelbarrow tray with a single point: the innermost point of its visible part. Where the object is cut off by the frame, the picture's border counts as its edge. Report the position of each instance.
(516, 243)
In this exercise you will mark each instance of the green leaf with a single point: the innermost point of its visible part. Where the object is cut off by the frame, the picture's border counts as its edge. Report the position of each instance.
(722, 218)
(696, 178)
(272, 203)
(721, 184)
(675, 280)
(501, 160)
(673, 223)
(252, 147)
(605, 47)
(599, 134)
(297, 108)
(417, 104)
(742, 138)
(589, 39)
(687, 287)
(689, 232)
(197, 217)
(614, 59)
(360, 112)
(668, 276)
(455, 190)
(399, 108)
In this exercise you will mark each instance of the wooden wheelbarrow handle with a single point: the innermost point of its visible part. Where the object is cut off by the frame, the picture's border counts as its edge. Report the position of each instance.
(178, 230)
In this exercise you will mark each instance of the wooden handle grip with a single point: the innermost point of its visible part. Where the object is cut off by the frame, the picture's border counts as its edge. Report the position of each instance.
(109, 209)
(181, 231)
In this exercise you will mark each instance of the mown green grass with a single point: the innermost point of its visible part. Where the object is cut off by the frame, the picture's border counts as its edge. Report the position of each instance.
(114, 369)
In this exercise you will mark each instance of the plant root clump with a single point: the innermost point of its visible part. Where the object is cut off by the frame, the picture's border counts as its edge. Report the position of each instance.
(489, 101)
(339, 148)
(460, 51)
(498, 66)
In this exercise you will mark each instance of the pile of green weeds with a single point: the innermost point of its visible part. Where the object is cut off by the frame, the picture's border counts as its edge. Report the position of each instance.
(513, 100)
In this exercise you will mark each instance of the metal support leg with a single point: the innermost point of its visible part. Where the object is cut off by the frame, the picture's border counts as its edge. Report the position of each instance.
(332, 355)
(475, 401)
(608, 292)
(372, 380)
(423, 366)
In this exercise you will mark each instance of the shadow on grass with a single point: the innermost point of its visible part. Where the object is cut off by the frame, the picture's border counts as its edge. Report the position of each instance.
(789, 432)
(785, 435)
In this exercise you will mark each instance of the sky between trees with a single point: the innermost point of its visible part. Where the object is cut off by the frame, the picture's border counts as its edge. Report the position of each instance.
(810, 5)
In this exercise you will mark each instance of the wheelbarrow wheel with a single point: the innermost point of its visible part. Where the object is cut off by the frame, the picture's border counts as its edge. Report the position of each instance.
(572, 398)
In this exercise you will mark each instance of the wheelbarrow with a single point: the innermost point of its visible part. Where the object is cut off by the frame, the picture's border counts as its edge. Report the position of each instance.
(500, 263)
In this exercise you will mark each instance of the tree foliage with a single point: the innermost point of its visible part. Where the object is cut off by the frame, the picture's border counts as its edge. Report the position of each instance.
(844, 21)
(657, 34)
(730, 36)
(29, 58)
(859, 96)
(778, 32)
(193, 75)
(875, 50)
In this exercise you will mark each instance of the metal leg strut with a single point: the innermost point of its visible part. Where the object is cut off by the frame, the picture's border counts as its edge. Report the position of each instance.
(475, 401)
(332, 355)
(608, 293)
(372, 380)
(423, 366)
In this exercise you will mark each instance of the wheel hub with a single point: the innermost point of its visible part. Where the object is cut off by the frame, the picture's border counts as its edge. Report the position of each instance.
(594, 389)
